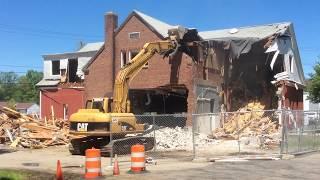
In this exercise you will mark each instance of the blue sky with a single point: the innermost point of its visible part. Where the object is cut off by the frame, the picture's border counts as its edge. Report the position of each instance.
(31, 28)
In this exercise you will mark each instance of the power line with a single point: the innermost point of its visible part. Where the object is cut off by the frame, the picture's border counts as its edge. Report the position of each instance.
(45, 31)
(12, 83)
(25, 66)
(16, 72)
(45, 35)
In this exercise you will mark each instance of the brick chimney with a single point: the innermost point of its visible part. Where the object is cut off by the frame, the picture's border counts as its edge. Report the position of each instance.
(111, 23)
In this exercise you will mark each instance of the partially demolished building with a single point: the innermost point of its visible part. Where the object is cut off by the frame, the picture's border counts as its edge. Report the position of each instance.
(228, 69)
(259, 63)
(234, 67)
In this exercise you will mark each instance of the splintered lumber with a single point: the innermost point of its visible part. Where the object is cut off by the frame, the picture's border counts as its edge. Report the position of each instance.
(35, 127)
(15, 114)
(19, 130)
(249, 120)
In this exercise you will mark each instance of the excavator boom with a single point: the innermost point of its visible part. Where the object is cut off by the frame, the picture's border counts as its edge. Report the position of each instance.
(95, 124)
(127, 73)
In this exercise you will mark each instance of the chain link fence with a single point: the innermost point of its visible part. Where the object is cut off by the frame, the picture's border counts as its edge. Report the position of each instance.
(236, 133)
(261, 133)
(300, 131)
(165, 136)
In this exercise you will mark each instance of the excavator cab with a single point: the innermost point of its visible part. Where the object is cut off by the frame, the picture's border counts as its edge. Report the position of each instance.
(102, 104)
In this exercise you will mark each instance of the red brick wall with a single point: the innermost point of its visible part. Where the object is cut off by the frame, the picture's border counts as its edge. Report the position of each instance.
(178, 70)
(159, 70)
(57, 97)
(293, 98)
(98, 81)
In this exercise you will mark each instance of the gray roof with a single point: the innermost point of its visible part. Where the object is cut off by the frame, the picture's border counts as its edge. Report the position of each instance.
(91, 47)
(161, 27)
(259, 32)
(48, 82)
(88, 49)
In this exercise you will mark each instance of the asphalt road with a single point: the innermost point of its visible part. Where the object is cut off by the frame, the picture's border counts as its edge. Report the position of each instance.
(302, 167)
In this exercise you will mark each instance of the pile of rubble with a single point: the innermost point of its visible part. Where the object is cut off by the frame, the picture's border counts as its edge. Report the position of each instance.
(250, 121)
(19, 130)
(178, 138)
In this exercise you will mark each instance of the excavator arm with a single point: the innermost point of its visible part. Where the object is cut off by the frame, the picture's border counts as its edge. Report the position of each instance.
(127, 73)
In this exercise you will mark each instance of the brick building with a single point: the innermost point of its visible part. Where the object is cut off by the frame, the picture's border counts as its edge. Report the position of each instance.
(177, 84)
(229, 68)
(164, 85)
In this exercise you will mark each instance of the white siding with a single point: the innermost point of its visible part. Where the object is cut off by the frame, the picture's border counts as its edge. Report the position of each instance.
(82, 61)
(308, 105)
(34, 109)
(63, 63)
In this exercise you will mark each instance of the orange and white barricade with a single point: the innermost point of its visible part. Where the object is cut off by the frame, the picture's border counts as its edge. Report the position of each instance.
(93, 163)
(138, 158)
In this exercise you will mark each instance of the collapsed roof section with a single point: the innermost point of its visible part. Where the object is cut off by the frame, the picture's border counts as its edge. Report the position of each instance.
(278, 38)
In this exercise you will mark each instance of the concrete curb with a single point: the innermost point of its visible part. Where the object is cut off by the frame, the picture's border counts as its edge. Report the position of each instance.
(238, 159)
(287, 156)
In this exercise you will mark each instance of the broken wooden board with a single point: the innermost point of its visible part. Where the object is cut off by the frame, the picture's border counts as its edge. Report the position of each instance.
(19, 130)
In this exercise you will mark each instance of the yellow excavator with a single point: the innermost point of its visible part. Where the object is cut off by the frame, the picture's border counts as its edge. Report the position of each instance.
(105, 117)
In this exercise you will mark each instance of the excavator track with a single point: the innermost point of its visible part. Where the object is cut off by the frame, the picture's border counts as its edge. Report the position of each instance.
(119, 146)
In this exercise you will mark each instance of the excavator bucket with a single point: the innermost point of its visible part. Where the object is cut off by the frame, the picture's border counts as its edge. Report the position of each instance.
(183, 35)
(184, 39)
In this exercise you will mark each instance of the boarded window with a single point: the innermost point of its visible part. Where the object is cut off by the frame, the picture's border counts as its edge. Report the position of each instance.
(55, 67)
(134, 35)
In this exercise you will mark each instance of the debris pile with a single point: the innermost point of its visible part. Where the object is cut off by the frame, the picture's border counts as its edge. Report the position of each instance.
(250, 121)
(178, 139)
(20, 130)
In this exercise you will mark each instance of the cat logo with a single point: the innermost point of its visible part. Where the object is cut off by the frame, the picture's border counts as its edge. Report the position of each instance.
(82, 127)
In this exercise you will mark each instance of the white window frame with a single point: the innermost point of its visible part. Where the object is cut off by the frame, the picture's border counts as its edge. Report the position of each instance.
(130, 54)
(146, 65)
(137, 51)
(123, 61)
(291, 59)
(131, 33)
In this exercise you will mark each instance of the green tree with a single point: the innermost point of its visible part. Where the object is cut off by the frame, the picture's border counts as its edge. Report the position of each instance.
(313, 86)
(27, 90)
(20, 89)
(8, 85)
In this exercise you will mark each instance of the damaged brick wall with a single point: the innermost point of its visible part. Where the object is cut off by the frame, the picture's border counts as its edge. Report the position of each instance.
(160, 72)
(178, 70)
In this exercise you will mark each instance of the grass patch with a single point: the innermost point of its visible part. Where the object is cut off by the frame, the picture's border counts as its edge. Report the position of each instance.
(12, 175)
(23, 174)
(303, 143)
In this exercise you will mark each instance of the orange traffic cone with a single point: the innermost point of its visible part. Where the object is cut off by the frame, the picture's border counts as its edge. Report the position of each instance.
(116, 170)
(59, 175)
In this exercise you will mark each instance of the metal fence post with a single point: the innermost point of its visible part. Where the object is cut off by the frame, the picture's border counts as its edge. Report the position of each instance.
(299, 138)
(110, 142)
(238, 129)
(281, 120)
(316, 130)
(154, 132)
(193, 136)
